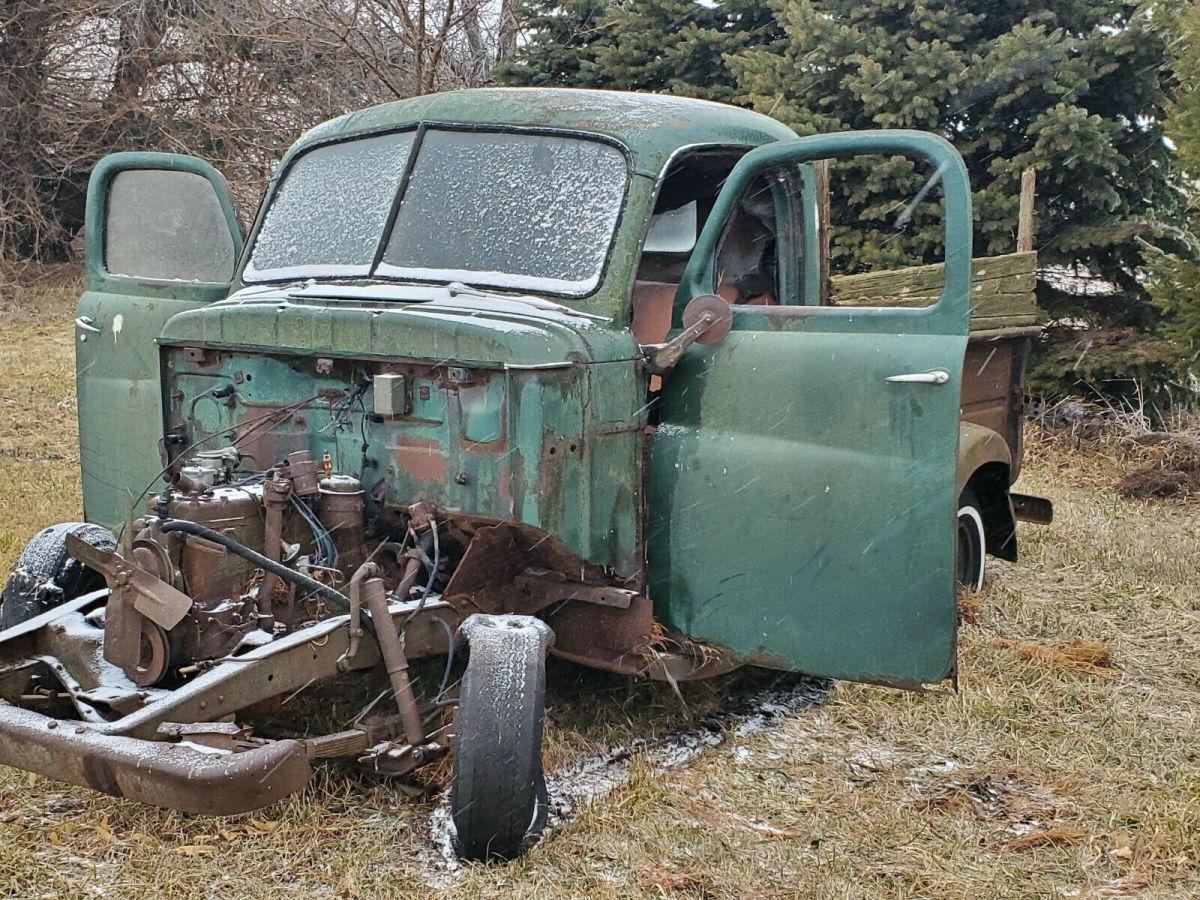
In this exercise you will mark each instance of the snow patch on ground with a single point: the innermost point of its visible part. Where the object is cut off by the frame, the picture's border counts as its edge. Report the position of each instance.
(594, 777)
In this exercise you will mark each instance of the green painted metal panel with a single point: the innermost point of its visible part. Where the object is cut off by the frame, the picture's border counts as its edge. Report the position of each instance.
(653, 126)
(430, 324)
(546, 427)
(811, 216)
(788, 478)
(801, 507)
(117, 366)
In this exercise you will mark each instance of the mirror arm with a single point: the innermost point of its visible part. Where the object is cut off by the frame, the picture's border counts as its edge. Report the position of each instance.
(661, 358)
(706, 319)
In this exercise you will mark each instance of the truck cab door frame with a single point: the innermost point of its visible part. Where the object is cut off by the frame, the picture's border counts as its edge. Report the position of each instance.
(802, 489)
(181, 202)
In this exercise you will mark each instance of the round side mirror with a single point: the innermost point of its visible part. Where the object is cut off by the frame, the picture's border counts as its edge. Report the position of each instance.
(719, 313)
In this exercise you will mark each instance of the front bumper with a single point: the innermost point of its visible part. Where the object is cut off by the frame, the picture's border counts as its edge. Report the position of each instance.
(200, 781)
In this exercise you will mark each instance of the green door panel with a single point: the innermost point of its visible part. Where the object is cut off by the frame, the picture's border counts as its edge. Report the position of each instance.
(805, 518)
(169, 206)
(801, 505)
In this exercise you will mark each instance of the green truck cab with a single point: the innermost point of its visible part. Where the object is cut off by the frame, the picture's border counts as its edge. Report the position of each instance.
(527, 370)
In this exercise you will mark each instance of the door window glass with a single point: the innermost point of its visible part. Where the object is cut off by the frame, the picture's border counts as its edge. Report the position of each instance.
(758, 261)
(167, 226)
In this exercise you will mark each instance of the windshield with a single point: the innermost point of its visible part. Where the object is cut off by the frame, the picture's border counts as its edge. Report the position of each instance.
(509, 210)
(327, 216)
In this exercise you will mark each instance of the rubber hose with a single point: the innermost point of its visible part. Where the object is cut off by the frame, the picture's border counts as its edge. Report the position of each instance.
(297, 578)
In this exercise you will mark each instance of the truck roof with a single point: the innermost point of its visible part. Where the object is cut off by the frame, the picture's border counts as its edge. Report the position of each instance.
(651, 126)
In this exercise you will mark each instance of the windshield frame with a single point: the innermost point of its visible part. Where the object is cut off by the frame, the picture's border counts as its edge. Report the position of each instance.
(541, 286)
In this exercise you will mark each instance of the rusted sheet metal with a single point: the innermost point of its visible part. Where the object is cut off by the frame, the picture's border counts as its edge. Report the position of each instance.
(548, 588)
(618, 640)
(485, 580)
(511, 567)
(514, 568)
(161, 774)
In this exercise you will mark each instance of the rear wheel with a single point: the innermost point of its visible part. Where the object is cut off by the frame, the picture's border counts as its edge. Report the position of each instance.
(44, 576)
(970, 543)
(498, 799)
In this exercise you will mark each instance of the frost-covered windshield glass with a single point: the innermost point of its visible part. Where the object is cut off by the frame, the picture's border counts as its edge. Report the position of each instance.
(522, 211)
(509, 210)
(327, 216)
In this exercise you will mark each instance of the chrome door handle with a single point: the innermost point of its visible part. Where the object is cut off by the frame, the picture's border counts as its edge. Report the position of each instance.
(85, 322)
(937, 376)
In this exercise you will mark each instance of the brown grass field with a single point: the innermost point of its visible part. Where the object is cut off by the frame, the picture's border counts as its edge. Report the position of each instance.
(1066, 765)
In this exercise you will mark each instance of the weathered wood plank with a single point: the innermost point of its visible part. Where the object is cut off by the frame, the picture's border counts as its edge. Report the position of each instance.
(1002, 289)
(1008, 264)
(986, 323)
(927, 280)
(984, 296)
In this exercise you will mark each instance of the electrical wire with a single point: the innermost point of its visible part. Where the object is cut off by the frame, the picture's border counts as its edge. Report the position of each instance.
(327, 554)
(339, 410)
(299, 579)
(285, 411)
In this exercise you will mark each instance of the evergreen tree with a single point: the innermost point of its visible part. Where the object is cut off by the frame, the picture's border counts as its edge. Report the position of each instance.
(1183, 115)
(676, 46)
(1075, 89)
(1174, 280)
(562, 40)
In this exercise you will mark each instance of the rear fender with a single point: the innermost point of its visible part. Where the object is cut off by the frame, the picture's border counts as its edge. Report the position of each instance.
(985, 466)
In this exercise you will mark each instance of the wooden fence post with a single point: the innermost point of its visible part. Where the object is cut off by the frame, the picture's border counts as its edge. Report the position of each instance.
(1025, 215)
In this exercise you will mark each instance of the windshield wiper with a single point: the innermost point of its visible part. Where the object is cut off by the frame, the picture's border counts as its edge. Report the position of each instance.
(456, 288)
(312, 290)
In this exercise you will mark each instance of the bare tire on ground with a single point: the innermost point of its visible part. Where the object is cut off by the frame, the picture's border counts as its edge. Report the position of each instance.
(971, 546)
(45, 576)
(498, 800)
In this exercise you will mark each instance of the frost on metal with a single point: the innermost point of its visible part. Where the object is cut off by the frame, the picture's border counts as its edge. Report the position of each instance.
(518, 639)
(513, 211)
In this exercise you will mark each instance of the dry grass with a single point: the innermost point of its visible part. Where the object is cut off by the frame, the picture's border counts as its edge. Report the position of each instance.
(1082, 657)
(1058, 836)
(1065, 766)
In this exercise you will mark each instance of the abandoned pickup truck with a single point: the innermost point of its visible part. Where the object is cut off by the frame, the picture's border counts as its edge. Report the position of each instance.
(497, 374)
